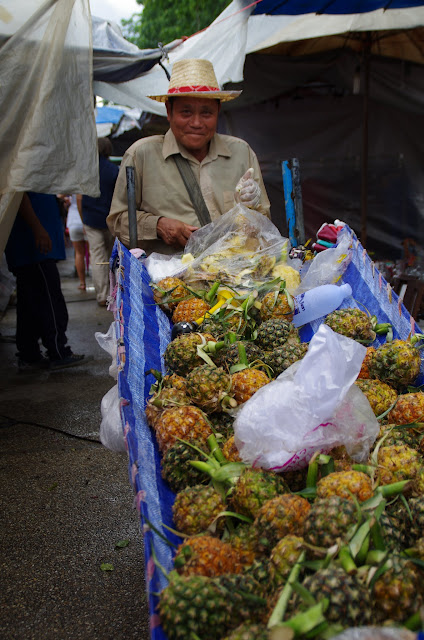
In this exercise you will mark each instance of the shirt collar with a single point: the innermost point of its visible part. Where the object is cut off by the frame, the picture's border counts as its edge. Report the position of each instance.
(217, 147)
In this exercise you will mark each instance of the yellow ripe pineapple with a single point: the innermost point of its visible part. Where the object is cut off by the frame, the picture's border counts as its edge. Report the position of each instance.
(353, 323)
(165, 398)
(246, 382)
(365, 371)
(345, 484)
(206, 556)
(230, 450)
(397, 363)
(380, 395)
(196, 510)
(409, 408)
(397, 462)
(168, 292)
(276, 304)
(278, 517)
(189, 310)
(186, 423)
(209, 387)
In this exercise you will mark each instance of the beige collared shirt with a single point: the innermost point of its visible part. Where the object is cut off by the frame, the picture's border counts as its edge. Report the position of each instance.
(160, 190)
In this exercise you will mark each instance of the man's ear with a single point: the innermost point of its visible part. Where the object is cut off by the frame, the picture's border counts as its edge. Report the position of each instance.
(168, 110)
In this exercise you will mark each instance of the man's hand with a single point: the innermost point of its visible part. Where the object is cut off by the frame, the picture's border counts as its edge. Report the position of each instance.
(174, 232)
(42, 239)
(248, 191)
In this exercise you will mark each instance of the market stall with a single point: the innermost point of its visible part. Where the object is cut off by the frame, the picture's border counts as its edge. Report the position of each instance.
(143, 332)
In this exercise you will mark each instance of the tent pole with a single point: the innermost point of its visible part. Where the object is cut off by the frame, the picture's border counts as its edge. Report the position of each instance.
(364, 151)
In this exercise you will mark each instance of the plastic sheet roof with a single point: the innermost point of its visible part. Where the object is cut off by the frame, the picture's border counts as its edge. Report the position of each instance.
(297, 7)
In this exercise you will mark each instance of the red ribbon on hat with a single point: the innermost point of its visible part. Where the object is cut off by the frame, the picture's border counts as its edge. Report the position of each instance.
(193, 88)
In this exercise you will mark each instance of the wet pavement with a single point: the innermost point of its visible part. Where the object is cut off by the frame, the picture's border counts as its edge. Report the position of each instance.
(66, 501)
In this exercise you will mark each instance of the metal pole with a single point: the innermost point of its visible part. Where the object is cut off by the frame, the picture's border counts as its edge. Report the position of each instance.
(132, 211)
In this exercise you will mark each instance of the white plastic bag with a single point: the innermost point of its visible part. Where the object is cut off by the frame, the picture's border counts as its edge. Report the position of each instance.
(109, 343)
(327, 267)
(111, 435)
(312, 406)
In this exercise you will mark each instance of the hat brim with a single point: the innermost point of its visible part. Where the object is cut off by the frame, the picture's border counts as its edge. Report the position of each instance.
(223, 96)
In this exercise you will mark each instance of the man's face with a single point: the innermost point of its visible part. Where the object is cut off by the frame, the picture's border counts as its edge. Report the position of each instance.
(193, 122)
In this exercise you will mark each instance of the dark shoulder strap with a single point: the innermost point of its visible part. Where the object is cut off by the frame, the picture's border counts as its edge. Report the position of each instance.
(193, 189)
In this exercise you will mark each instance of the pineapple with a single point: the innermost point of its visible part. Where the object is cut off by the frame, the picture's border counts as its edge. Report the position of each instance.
(209, 387)
(168, 292)
(229, 354)
(181, 354)
(196, 510)
(244, 595)
(166, 398)
(245, 383)
(397, 462)
(275, 333)
(415, 522)
(345, 484)
(194, 605)
(189, 310)
(397, 363)
(222, 423)
(253, 488)
(176, 469)
(276, 305)
(346, 594)
(380, 395)
(230, 451)
(409, 408)
(353, 323)
(243, 541)
(283, 557)
(175, 381)
(248, 631)
(397, 593)
(364, 373)
(283, 357)
(206, 556)
(330, 521)
(283, 515)
(186, 423)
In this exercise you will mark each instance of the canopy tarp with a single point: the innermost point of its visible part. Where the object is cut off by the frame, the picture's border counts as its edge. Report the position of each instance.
(296, 7)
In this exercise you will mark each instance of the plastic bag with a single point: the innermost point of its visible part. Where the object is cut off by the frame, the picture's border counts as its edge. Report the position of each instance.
(160, 265)
(312, 406)
(111, 435)
(329, 266)
(376, 633)
(109, 343)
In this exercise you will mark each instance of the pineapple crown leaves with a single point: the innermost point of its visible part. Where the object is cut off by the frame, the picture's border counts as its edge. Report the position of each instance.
(280, 608)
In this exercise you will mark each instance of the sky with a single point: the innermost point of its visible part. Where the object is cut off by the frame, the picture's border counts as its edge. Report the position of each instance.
(114, 9)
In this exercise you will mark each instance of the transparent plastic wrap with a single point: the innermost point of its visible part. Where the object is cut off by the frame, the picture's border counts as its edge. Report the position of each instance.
(109, 343)
(329, 266)
(312, 406)
(111, 435)
(376, 633)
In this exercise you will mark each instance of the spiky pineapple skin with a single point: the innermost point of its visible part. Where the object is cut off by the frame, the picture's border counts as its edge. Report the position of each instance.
(283, 357)
(230, 450)
(345, 484)
(253, 488)
(208, 386)
(364, 373)
(275, 306)
(247, 382)
(193, 604)
(409, 408)
(279, 517)
(181, 354)
(164, 399)
(397, 591)
(275, 333)
(185, 423)
(345, 593)
(283, 557)
(229, 354)
(397, 363)
(352, 323)
(176, 469)
(206, 556)
(189, 310)
(380, 395)
(249, 632)
(168, 292)
(397, 462)
(196, 508)
(330, 520)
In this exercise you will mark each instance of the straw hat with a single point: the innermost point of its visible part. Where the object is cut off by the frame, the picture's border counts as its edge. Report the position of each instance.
(195, 78)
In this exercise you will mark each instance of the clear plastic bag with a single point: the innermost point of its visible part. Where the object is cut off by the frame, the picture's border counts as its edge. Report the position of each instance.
(111, 435)
(376, 633)
(109, 343)
(312, 406)
(329, 266)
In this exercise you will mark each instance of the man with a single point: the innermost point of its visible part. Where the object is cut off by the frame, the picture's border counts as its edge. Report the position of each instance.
(36, 242)
(225, 168)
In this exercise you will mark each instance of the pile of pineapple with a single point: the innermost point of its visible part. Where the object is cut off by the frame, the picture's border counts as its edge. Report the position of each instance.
(302, 554)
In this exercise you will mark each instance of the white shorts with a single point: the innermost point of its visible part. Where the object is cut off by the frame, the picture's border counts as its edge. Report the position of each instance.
(76, 233)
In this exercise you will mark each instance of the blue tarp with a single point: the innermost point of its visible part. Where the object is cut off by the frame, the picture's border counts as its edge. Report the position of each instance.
(298, 7)
(143, 331)
(108, 114)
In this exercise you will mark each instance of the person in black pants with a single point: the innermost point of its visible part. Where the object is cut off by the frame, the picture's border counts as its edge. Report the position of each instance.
(34, 246)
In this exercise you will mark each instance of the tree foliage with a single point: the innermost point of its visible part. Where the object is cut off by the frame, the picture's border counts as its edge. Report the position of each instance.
(167, 20)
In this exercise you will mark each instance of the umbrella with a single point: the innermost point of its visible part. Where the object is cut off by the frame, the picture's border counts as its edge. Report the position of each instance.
(395, 33)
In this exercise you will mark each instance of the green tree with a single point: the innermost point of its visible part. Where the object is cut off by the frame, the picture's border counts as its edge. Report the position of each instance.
(167, 20)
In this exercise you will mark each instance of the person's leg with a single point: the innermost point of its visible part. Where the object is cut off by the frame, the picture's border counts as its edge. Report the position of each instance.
(28, 329)
(99, 259)
(53, 312)
(79, 249)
